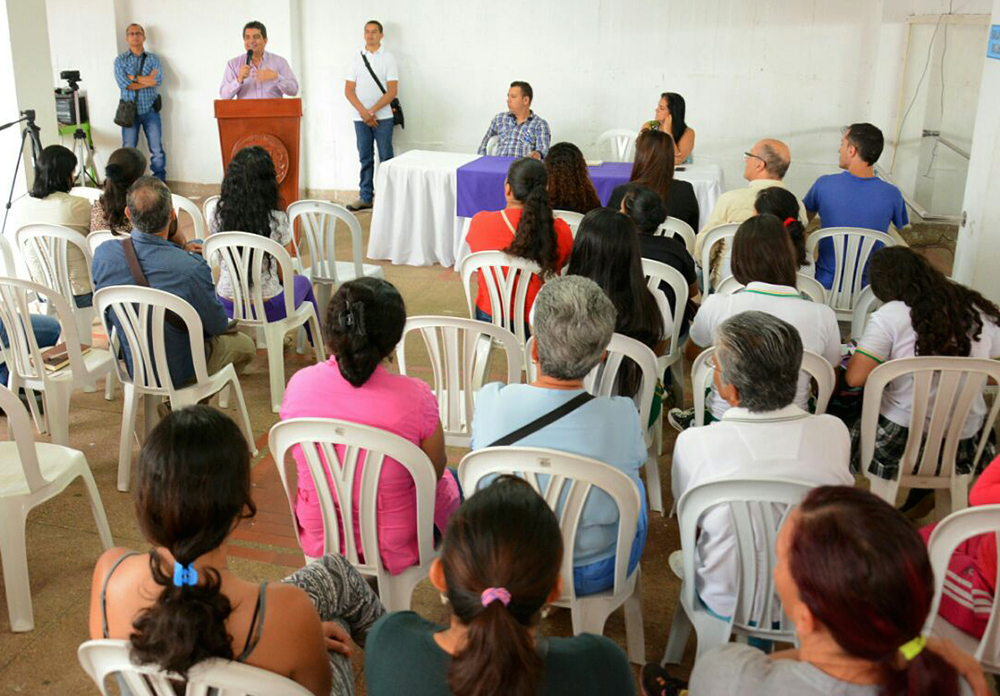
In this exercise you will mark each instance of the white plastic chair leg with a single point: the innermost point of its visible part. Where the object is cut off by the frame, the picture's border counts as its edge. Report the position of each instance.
(318, 347)
(241, 406)
(884, 489)
(654, 487)
(97, 508)
(109, 386)
(680, 630)
(56, 397)
(129, 407)
(635, 635)
(14, 558)
(224, 397)
(677, 382)
(85, 325)
(275, 365)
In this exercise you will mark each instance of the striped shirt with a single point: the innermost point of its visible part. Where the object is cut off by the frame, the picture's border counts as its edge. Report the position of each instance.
(518, 139)
(128, 64)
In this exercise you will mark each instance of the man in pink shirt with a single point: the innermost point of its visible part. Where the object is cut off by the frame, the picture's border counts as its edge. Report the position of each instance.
(255, 74)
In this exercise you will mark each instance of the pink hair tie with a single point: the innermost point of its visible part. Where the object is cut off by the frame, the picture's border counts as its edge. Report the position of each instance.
(491, 594)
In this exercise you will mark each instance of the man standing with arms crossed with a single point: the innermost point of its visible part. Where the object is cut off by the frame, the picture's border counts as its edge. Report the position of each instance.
(373, 122)
(138, 75)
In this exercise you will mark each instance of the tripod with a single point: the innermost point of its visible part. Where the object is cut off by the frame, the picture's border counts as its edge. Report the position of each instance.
(29, 132)
(82, 148)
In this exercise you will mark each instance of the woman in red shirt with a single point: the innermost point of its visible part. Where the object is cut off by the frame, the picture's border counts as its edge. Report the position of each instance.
(525, 229)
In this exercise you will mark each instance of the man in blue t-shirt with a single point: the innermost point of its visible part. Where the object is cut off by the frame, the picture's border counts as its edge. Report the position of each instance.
(855, 197)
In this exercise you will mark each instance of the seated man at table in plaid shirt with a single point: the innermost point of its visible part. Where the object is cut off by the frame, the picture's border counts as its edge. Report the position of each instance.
(522, 133)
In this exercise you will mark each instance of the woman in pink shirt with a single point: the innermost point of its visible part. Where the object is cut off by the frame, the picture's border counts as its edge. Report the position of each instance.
(364, 322)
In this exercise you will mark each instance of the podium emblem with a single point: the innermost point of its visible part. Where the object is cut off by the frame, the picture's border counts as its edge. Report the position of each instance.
(274, 147)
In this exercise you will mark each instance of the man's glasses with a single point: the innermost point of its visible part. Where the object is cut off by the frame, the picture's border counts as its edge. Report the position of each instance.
(748, 155)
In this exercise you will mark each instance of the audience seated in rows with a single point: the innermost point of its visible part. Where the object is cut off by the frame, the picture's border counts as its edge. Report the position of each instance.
(924, 313)
(125, 165)
(249, 203)
(855, 197)
(364, 322)
(763, 434)
(166, 266)
(570, 187)
(499, 567)
(573, 323)
(669, 119)
(524, 229)
(180, 604)
(783, 204)
(654, 169)
(764, 261)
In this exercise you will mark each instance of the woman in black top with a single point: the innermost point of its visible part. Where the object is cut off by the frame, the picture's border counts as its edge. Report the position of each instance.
(654, 169)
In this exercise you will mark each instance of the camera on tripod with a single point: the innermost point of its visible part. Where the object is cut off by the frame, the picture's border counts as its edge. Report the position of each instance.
(66, 100)
(71, 76)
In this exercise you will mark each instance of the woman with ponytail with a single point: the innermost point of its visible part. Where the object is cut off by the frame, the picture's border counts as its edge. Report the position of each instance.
(499, 567)
(364, 323)
(524, 229)
(783, 204)
(180, 604)
(125, 165)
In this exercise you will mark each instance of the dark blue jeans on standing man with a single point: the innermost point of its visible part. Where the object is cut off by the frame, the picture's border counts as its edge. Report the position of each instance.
(153, 127)
(367, 137)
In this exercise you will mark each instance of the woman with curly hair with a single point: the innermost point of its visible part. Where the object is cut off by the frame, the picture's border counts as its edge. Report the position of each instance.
(923, 313)
(249, 203)
(125, 165)
(570, 187)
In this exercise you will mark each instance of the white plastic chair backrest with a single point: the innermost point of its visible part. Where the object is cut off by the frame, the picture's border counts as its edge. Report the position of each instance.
(140, 313)
(8, 266)
(655, 273)
(722, 233)
(453, 348)
(619, 142)
(944, 391)
(19, 428)
(188, 206)
(89, 192)
(813, 289)
(571, 218)
(318, 228)
(759, 507)
(569, 480)
(600, 381)
(947, 535)
(49, 245)
(103, 658)
(360, 447)
(675, 227)
(814, 364)
(507, 290)
(97, 238)
(243, 255)
(493, 145)
(208, 208)
(23, 354)
(864, 304)
(852, 248)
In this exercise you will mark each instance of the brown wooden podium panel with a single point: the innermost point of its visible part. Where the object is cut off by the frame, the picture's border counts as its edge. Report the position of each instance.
(273, 124)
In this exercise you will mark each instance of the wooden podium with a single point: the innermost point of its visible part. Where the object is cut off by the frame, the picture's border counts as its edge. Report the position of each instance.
(273, 124)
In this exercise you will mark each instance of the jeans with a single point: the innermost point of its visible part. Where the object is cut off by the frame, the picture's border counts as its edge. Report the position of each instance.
(150, 122)
(367, 137)
(46, 330)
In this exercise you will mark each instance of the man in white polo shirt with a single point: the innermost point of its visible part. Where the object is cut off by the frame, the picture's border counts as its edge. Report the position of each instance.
(764, 435)
(373, 123)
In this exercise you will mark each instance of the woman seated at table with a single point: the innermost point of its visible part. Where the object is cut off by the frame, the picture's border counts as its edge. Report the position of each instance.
(654, 169)
(669, 119)
(125, 165)
(249, 203)
(570, 187)
(923, 313)
(364, 323)
(783, 204)
(573, 323)
(524, 229)
(180, 604)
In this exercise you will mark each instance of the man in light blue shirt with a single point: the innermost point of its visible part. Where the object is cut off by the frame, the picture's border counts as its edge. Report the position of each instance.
(139, 76)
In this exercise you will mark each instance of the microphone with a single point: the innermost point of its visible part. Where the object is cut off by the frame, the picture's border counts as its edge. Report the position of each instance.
(249, 55)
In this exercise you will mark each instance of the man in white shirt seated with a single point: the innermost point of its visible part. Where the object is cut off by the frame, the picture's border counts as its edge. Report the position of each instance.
(763, 435)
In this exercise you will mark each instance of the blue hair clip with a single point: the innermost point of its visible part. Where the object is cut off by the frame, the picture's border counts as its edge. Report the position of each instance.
(185, 576)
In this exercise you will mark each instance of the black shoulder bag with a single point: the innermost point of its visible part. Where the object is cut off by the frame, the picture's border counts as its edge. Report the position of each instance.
(127, 110)
(397, 108)
(543, 420)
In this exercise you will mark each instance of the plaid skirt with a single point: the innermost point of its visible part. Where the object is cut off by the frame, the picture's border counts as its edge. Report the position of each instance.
(890, 445)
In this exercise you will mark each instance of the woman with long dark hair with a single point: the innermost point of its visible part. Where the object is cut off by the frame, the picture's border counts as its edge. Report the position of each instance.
(783, 204)
(570, 187)
(499, 567)
(524, 229)
(249, 202)
(654, 169)
(670, 114)
(125, 165)
(923, 313)
(180, 604)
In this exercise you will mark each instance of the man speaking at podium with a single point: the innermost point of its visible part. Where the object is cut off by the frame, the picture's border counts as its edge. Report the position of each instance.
(255, 74)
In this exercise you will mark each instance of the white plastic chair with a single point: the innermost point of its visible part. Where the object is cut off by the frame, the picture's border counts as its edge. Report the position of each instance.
(140, 314)
(570, 478)
(656, 273)
(24, 357)
(864, 304)
(947, 535)
(852, 247)
(619, 143)
(365, 447)
(803, 283)
(572, 219)
(243, 255)
(507, 279)
(454, 346)
(493, 146)
(208, 209)
(48, 247)
(759, 507)
(103, 658)
(98, 237)
(89, 192)
(30, 474)
(944, 391)
(675, 227)
(181, 203)
(722, 234)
